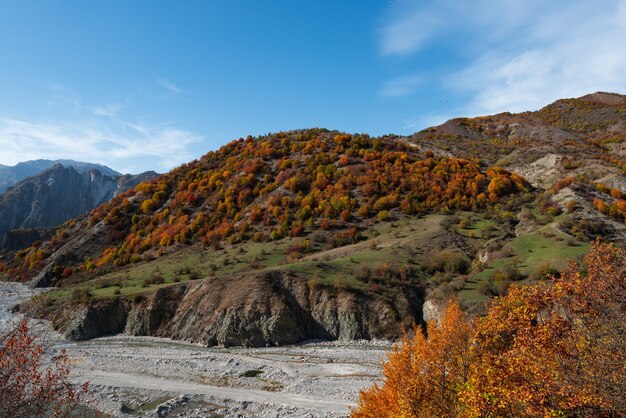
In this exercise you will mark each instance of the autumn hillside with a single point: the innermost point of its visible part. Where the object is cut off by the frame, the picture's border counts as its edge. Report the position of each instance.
(464, 208)
(264, 189)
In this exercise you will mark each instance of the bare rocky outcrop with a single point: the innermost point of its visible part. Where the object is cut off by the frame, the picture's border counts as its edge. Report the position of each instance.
(547, 170)
(542, 172)
(262, 309)
(433, 311)
(100, 318)
(11, 175)
(150, 313)
(584, 210)
(278, 308)
(58, 194)
(614, 181)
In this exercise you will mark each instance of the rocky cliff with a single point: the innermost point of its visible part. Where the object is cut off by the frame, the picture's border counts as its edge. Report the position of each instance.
(263, 309)
(56, 195)
(9, 175)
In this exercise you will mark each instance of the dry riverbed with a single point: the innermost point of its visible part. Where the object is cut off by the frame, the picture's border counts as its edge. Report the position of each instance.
(154, 377)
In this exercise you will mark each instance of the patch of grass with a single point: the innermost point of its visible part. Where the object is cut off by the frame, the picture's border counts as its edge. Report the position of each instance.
(473, 225)
(400, 245)
(531, 253)
(535, 249)
(191, 263)
(397, 247)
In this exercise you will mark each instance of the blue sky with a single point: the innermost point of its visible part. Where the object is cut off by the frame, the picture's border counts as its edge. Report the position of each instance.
(140, 85)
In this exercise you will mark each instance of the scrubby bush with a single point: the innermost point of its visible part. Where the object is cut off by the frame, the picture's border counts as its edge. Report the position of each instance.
(484, 288)
(27, 389)
(364, 274)
(546, 270)
(81, 295)
(137, 298)
(446, 261)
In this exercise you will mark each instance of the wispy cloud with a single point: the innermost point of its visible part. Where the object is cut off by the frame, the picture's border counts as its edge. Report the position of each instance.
(516, 54)
(110, 110)
(168, 85)
(407, 29)
(119, 145)
(577, 50)
(401, 86)
(418, 123)
(101, 134)
(61, 96)
(410, 25)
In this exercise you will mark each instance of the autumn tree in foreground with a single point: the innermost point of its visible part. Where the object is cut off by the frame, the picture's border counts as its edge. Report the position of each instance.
(27, 388)
(424, 377)
(547, 350)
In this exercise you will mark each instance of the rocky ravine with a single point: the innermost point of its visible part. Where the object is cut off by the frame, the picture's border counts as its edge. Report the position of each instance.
(254, 310)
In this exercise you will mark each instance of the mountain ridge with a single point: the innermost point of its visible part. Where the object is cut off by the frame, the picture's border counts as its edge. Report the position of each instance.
(10, 175)
(55, 195)
(463, 208)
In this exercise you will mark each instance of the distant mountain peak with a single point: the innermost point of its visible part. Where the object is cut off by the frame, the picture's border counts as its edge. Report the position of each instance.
(82, 167)
(9, 175)
(56, 194)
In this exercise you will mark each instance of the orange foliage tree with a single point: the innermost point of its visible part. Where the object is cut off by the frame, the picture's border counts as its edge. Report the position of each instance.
(424, 377)
(547, 350)
(26, 388)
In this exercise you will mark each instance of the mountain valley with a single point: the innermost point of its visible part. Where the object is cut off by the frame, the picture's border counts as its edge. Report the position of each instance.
(317, 234)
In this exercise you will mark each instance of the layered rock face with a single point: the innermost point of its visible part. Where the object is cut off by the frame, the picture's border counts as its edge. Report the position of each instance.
(264, 309)
(11, 175)
(56, 195)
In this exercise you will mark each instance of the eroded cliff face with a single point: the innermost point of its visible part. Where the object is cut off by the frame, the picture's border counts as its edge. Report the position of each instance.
(56, 195)
(271, 308)
(102, 318)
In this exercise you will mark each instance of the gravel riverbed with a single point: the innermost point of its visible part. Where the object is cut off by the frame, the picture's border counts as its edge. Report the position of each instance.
(156, 377)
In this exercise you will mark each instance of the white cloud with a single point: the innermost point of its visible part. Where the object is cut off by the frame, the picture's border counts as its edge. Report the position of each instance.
(168, 85)
(577, 51)
(95, 133)
(401, 86)
(517, 54)
(135, 147)
(110, 110)
(410, 25)
(407, 32)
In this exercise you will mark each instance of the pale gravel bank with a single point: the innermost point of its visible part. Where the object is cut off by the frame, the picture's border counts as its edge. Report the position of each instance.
(155, 377)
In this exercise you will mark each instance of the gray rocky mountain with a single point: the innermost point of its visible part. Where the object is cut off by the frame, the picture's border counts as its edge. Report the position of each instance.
(9, 175)
(55, 195)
